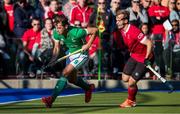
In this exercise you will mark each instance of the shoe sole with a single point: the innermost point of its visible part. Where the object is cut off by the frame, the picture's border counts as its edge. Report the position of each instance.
(127, 106)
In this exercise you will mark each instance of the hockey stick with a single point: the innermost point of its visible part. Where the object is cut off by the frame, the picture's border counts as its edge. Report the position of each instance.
(162, 79)
(61, 59)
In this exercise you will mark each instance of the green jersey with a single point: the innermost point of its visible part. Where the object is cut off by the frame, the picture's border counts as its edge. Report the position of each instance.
(74, 40)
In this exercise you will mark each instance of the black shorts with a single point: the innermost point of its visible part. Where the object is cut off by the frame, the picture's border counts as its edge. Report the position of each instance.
(134, 69)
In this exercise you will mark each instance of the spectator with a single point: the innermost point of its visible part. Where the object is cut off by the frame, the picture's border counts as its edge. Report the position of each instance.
(178, 6)
(23, 15)
(172, 47)
(172, 5)
(176, 48)
(145, 29)
(7, 17)
(54, 9)
(102, 18)
(117, 55)
(28, 40)
(176, 31)
(158, 14)
(43, 46)
(164, 3)
(4, 57)
(145, 4)
(41, 10)
(175, 13)
(137, 14)
(115, 4)
(68, 7)
(81, 12)
(104, 13)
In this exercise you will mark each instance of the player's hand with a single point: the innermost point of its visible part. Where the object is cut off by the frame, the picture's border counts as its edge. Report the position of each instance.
(158, 18)
(85, 47)
(147, 62)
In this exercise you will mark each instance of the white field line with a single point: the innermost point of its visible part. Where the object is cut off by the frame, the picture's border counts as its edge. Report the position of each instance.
(10, 102)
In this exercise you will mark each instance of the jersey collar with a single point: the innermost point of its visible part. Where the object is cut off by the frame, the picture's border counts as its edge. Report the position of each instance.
(127, 29)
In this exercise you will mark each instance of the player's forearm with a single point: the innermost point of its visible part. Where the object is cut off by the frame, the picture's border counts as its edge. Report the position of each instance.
(92, 30)
(55, 51)
(89, 43)
(149, 48)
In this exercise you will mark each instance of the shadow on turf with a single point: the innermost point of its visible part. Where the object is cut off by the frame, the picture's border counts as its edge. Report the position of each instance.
(82, 106)
(73, 108)
(160, 105)
(59, 106)
(69, 108)
(145, 98)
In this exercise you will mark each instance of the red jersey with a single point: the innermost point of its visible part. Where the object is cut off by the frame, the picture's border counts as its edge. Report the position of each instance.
(132, 38)
(51, 14)
(30, 36)
(94, 45)
(158, 11)
(81, 14)
(10, 12)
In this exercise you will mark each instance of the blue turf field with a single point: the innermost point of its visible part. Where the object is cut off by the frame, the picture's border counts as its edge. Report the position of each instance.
(17, 95)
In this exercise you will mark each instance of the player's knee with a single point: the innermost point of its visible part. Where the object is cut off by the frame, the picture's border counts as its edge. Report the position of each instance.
(125, 78)
(65, 72)
(132, 82)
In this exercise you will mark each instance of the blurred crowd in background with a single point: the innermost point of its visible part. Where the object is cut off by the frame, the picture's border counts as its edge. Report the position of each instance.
(26, 39)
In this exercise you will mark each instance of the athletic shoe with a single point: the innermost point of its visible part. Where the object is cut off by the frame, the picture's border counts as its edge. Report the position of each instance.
(127, 103)
(47, 101)
(88, 93)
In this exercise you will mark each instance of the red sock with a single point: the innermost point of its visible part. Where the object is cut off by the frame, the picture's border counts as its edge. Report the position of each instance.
(132, 91)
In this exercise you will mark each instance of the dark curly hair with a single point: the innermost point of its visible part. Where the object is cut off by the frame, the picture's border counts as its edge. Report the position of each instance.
(61, 19)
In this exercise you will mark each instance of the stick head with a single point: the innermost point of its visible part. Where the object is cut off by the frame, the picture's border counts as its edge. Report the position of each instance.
(171, 89)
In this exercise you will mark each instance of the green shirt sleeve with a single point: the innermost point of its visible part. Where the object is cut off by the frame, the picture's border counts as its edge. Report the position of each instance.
(81, 33)
(56, 35)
